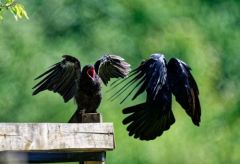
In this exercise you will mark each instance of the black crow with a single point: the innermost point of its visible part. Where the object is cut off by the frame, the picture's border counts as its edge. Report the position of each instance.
(67, 79)
(160, 80)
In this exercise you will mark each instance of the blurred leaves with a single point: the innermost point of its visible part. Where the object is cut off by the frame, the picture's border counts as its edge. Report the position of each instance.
(15, 8)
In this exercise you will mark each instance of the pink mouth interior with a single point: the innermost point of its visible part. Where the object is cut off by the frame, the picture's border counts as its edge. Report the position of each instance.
(91, 72)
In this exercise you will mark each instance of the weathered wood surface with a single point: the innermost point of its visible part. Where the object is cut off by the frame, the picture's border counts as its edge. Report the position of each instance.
(62, 137)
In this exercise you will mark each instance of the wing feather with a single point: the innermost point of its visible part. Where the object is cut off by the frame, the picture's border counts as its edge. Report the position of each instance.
(152, 74)
(185, 88)
(60, 78)
(111, 66)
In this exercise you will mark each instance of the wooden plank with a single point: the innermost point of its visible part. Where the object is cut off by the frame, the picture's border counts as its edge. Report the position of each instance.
(62, 137)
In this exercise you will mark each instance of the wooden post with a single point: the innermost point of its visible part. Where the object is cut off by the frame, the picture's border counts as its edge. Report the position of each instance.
(81, 117)
(93, 118)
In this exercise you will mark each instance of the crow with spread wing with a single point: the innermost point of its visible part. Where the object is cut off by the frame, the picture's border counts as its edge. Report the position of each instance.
(160, 80)
(67, 79)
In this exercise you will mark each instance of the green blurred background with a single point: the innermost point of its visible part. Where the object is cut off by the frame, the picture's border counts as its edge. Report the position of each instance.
(203, 33)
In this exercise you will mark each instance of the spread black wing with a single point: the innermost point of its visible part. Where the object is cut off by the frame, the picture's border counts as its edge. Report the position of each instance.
(60, 78)
(185, 88)
(148, 120)
(111, 66)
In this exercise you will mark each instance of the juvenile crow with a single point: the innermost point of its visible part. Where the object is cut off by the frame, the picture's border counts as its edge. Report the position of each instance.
(160, 80)
(67, 79)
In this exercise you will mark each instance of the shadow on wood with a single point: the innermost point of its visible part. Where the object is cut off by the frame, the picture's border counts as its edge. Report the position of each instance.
(42, 157)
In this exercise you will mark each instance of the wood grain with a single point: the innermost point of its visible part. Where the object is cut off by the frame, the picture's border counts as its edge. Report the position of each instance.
(56, 137)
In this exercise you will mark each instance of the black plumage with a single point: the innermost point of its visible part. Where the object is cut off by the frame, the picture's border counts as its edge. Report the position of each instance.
(159, 79)
(67, 79)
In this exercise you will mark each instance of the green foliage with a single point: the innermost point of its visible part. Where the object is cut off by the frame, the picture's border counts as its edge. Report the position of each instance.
(15, 8)
(203, 33)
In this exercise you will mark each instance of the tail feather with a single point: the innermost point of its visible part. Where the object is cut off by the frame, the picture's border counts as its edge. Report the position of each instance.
(134, 108)
(147, 124)
(136, 125)
(137, 114)
(159, 126)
